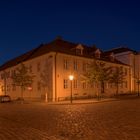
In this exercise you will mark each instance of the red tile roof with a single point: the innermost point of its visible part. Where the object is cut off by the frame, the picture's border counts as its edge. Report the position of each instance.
(121, 50)
(57, 45)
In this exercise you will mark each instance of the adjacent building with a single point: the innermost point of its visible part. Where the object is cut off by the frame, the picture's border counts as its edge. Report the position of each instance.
(131, 58)
(53, 63)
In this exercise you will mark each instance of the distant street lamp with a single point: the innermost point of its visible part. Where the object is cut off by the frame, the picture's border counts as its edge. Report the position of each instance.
(71, 77)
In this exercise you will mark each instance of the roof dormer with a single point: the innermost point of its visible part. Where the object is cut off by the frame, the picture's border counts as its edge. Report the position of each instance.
(112, 56)
(79, 49)
(97, 53)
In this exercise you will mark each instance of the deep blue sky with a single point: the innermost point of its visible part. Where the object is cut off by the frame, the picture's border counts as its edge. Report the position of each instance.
(24, 24)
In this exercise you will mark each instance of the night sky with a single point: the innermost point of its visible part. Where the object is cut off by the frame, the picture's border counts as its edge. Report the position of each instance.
(24, 24)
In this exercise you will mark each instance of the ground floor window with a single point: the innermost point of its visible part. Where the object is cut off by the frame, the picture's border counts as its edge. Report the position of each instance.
(65, 83)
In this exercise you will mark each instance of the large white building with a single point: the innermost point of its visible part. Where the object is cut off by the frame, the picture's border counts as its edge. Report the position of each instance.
(55, 61)
(131, 58)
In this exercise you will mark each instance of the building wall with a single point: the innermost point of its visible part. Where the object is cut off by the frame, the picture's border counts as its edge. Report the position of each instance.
(36, 66)
(134, 61)
(56, 68)
(83, 89)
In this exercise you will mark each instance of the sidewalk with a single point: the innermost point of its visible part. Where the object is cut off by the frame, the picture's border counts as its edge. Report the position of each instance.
(82, 101)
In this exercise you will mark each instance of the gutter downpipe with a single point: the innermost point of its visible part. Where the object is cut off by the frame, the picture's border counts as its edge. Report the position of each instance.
(55, 63)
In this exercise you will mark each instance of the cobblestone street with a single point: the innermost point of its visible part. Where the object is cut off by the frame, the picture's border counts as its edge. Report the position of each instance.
(113, 120)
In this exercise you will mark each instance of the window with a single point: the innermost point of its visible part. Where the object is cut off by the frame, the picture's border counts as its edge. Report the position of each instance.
(107, 86)
(5, 75)
(8, 88)
(65, 64)
(14, 87)
(39, 86)
(38, 66)
(65, 83)
(126, 84)
(75, 83)
(75, 65)
(2, 76)
(30, 68)
(3, 88)
(97, 53)
(84, 66)
(13, 72)
(121, 85)
(84, 85)
(111, 85)
(125, 71)
(78, 51)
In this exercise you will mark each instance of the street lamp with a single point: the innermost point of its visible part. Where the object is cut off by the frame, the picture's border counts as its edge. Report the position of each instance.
(71, 77)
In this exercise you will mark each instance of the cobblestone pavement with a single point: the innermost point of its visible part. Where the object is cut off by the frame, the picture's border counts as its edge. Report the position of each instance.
(114, 120)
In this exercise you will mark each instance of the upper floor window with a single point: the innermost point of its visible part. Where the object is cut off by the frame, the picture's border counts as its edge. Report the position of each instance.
(125, 71)
(30, 68)
(13, 72)
(38, 66)
(5, 75)
(13, 87)
(85, 66)
(75, 65)
(66, 63)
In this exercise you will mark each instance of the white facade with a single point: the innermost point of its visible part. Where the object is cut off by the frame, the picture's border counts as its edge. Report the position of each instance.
(132, 59)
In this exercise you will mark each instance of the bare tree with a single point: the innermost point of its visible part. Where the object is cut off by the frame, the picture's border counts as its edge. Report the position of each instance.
(97, 72)
(46, 79)
(4, 76)
(117, 77)
(22, 77)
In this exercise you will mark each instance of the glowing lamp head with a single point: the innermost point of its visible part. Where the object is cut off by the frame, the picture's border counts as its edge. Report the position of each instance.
(29, 88)
(71, 77)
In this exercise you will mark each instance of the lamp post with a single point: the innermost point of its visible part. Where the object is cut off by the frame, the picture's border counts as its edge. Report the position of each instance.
(71, 77)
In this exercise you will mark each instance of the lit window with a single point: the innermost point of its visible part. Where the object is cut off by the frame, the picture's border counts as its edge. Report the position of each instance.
(65, 83)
